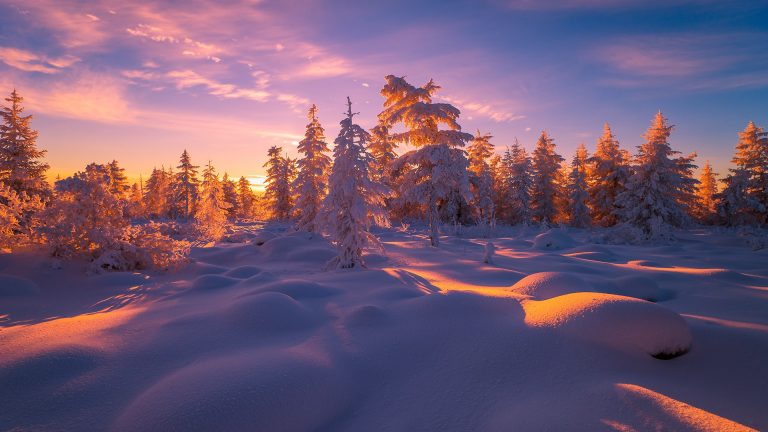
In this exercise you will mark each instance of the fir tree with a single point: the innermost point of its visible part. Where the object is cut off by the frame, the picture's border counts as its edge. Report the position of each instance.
(156, 194)
(278, 190)
(118, 182)
(751, 160)
(211, 215)
(20, 165)
(135, 207)
(230, 196)
(578, 211)
(382, 149)
(185, 187)
(479, 152)
(545, 190)
(607, 175)
(246, 198)
(311, 181)
(660, 191)
(518, 184)
(705, 194)
(437, 170)
(735, 205)
(355, 201)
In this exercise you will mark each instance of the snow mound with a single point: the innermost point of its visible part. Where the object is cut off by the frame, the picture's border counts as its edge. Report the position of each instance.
(620, 322)
(11, 286)
(641, 287)
(243, 272)
(545, 285)
(212, 282)
(554, 239)
(249, 390)
(365, 316)
(300, 289)
(270, 313)
(299, 247)
(263, 237)
(117, 280)
(55, 367)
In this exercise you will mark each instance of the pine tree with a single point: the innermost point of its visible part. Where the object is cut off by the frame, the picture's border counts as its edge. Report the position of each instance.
(156, 194)
(545, 191)
(382, 149)
(735, 205)
(246, 198)
(750, 176)
(20, 165)
(230, 196)
(278, 191)
(135, 207)
(519, 184)
(705, 194)
(185, 187)
(660, 191)
(607, 175)
(310, 186)
(437, 171)
(211, 215)
(479, 152)
(355, 200)
(118, 182)
(578, 211)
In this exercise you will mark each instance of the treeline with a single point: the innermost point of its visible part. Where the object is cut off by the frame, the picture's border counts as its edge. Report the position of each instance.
(450, 177)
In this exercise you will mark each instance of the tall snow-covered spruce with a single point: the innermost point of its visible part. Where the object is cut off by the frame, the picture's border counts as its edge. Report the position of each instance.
(355, 200)
(310, 186)
(578, 211)
(21, 167)
(744, 201)
(705, 194)
(546, 191)
(607, 176)
(211, 215)
(278, 190)
(437, 170)
(659, 193)
(480, 152)
(185, 187)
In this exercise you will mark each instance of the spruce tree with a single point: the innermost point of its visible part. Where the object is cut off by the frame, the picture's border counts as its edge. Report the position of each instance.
(310, 186)
(118, 182)
(355, 201)
(546, 191)
(156, 194)
(21, 167)
(185, 187)
(211, 215)
(661, 190)
(519, 184)
(750, 177)
(479, 153)
(230, 196)
(578, 211)
(382, 149)
(278, 191)
(436, 172)
(246, 198)
(607, 175)
(705, 194)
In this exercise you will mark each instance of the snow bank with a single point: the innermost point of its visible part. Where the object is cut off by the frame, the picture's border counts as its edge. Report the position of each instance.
(621, 322)
(545, 285)
(554, 239)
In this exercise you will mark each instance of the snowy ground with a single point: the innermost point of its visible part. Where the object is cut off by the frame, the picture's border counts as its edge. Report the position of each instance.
(256, 337)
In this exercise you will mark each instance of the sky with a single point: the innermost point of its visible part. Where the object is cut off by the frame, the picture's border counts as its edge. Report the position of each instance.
(141, 81)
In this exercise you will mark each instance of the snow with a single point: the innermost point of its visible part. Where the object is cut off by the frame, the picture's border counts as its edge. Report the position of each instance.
(260, 337)
(554, 239)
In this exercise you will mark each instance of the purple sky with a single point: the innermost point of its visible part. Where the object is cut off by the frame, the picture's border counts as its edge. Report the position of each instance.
(141, 81)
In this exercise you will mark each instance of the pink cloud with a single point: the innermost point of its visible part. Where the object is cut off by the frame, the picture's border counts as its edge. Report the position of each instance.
(28, 61)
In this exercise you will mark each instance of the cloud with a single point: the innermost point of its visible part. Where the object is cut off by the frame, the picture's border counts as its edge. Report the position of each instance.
(28, 61)
(487, 110)
(554, 5)
(187, 78)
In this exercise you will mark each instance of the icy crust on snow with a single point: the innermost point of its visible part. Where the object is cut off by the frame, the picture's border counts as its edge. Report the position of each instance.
(615, 321)
(258, 337)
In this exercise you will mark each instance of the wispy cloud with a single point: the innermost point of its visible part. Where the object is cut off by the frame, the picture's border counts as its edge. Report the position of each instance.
(481, 109)
(550, 5)
(28, 61)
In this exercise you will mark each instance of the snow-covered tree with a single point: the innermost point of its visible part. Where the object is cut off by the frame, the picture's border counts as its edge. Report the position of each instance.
(437, 169)
(156, 194)
(135, 207)
(185, 187)
(211, 215)
(21, 167)
(750, 176)
(278, 191)
(607, 175)
(382, 149)
(18, 217)
(118, 182)
(310, 185)
(246, 198)
(355, 200)
(578, 210)
(735, 205)
(705, 194)
(660, 191)
(480, 152)
(85, 217)
(546, 193)
(230, 196)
